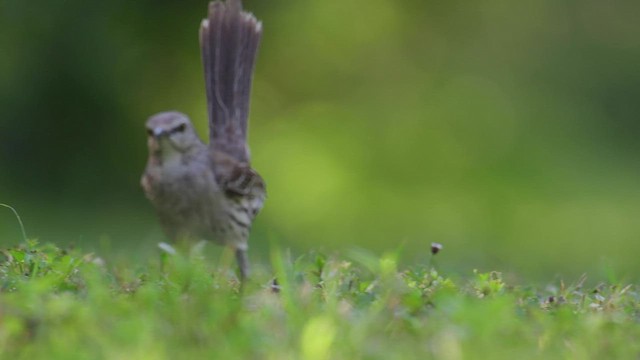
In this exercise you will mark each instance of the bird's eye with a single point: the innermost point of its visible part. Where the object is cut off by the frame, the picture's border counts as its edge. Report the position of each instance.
(180, 128)
(150, 132)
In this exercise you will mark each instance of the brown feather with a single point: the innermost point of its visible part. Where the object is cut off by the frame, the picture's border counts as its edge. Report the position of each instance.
(229, 40)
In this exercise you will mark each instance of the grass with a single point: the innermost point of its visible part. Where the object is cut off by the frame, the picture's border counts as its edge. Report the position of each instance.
(63, 304)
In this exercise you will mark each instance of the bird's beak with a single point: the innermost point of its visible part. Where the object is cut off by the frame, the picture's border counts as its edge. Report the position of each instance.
(159, 132)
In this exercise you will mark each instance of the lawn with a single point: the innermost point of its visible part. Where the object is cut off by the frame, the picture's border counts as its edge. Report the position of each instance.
(65, 304)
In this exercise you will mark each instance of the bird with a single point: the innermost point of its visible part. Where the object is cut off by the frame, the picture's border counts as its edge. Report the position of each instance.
(210, 191)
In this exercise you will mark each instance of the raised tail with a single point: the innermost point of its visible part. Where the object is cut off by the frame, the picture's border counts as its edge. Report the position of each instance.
(229, 40)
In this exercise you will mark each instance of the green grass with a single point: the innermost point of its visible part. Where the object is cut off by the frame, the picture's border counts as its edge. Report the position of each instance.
(63, 304)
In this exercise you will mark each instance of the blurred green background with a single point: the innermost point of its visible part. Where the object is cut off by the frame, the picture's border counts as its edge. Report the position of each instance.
(506, 130)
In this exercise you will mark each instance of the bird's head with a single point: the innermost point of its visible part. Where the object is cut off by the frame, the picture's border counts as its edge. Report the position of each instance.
(171, 133)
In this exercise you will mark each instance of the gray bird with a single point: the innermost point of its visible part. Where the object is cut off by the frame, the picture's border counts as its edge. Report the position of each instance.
(210, 191)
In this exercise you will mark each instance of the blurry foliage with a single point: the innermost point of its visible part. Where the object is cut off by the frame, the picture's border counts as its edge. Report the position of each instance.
(361, 306)
(506, 130)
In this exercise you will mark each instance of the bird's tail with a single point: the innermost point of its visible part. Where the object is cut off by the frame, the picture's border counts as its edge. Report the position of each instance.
(229, 40)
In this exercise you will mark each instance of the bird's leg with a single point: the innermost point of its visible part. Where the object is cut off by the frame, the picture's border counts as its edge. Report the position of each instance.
(243, 263)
